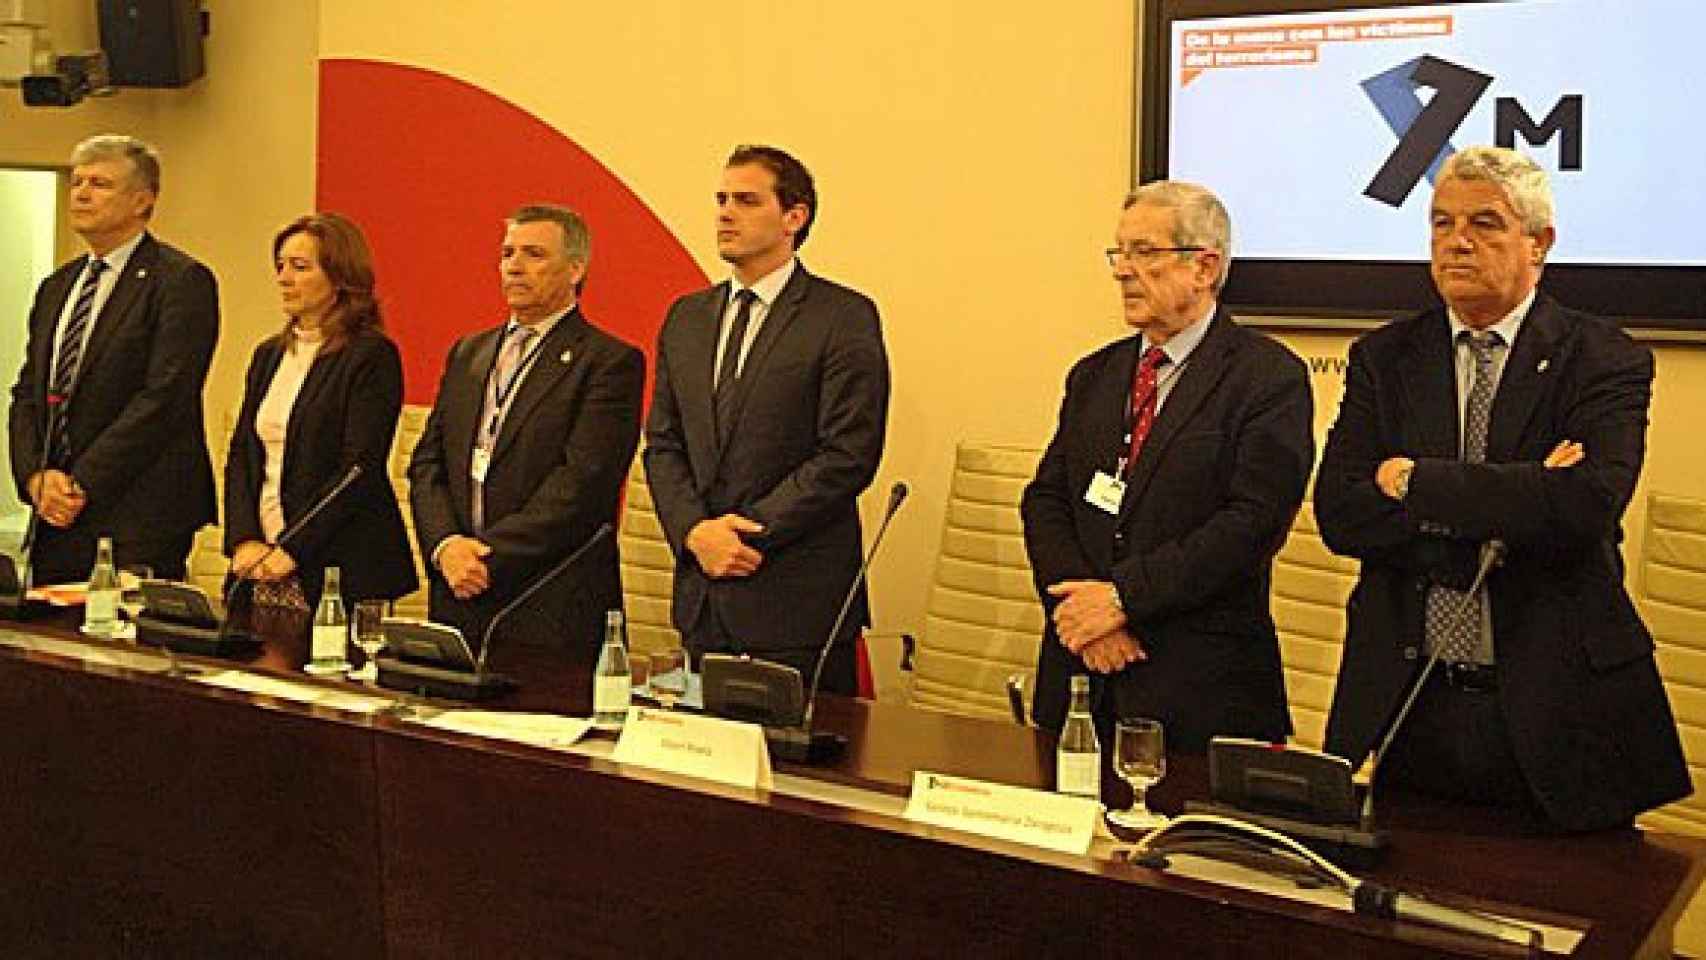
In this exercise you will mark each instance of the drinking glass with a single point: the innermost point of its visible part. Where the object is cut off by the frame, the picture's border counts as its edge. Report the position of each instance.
(370, 637)
(669, 676)
(1140, 759)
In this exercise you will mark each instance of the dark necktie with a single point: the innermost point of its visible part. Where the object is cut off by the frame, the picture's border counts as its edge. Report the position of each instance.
(1454, 617)
(1143, 390)
(71, 352)
(729, 370)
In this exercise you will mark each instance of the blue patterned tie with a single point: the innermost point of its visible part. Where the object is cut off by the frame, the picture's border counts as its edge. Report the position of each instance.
(1453, 616)
(71, 352)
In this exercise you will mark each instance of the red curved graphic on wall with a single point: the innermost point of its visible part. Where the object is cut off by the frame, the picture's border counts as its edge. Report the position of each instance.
(429, 166)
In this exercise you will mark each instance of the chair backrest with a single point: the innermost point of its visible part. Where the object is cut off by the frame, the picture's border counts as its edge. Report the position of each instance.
(648, 568)
(983, 620)
(1311, 585)
(1672, 597)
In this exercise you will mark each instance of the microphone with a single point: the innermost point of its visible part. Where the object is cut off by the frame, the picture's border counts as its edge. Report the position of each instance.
(1373, 900)
(897, 496)
(23, 574)
(343, 483)
(604, 530)
(794, 740)
(1492, 554)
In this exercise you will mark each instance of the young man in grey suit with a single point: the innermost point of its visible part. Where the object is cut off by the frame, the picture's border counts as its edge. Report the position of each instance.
(527, 448)
(1179, 462)
(767, 421)
(1500, 418)
(107, 435)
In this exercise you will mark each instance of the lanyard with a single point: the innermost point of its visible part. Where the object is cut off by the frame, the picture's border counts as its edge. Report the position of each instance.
(503, 392)
(1168, 371)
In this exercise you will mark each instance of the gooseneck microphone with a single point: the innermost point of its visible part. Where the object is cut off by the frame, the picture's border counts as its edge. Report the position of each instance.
(604, 530)
(239, 577)
(1492, 554)
(26, 546)
(897, 496)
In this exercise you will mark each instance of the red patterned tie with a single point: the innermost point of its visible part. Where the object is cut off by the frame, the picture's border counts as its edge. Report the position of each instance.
(1143, 401)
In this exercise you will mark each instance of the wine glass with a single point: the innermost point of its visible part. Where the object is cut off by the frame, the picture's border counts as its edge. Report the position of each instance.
(1140, 759)
(669, 676)
(369, 630)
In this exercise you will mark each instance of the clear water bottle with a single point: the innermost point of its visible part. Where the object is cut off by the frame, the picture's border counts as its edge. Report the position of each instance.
(328, 650)
(100, 608)
(1078, 762)
(611, 684)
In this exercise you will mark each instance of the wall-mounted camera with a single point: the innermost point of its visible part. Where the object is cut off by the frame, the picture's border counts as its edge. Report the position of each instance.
(75, 76)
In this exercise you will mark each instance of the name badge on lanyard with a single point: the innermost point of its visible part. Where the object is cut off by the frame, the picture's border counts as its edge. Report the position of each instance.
(1105, 492)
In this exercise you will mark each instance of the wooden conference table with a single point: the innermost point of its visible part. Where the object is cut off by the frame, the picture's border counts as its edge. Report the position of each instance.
(149, 815)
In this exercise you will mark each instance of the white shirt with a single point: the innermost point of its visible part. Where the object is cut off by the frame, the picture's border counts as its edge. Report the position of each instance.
(765, 290)
(116, 259)
(272, 422)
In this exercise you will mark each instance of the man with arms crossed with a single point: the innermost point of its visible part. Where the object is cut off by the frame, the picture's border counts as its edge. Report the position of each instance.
(107, 435)
(527, 447)
(1502, 418)
(1178, 464)
(767, 421)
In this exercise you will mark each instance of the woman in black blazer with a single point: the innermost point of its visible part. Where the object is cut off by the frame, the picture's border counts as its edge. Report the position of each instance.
(321, 395)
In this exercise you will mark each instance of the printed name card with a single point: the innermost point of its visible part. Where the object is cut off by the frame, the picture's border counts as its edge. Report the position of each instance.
(695, 746)
(1039, 818)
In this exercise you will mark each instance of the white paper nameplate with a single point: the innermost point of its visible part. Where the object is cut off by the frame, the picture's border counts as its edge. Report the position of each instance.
(1039, 818)
(696, 746)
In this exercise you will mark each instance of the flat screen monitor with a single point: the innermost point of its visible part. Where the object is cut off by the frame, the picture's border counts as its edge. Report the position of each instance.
(1322, 125)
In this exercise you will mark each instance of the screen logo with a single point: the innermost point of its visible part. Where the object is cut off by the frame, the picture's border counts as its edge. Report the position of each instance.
(1424, 131)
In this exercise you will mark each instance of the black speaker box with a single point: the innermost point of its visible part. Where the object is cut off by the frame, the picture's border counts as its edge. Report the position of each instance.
(152, 43)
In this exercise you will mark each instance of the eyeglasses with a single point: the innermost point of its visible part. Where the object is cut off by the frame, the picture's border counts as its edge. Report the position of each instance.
(1136, 252)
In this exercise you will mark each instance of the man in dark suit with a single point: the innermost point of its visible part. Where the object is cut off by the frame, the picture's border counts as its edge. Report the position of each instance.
(1178, 463)
(107, 435)
(1506, 418)
(527, 448)
(767, 420)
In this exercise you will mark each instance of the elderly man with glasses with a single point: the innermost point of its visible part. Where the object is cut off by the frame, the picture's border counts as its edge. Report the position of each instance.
(1179, 461)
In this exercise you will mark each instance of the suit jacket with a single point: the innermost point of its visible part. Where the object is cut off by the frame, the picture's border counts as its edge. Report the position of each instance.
(556, 474)
(135, 432)
(345, 414)
(811, 413)
(1206, 507)
(1581, 696)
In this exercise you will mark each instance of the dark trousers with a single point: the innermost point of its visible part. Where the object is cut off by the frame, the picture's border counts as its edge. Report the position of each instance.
(840, 669)
(1455, 745)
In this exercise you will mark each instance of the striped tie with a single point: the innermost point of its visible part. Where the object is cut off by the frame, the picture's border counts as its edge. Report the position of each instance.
(71, 351)
(1452, 617)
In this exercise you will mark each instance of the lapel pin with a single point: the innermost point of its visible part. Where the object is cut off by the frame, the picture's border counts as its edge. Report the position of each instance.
(1542, 367)
(141, 272)
(567, 356)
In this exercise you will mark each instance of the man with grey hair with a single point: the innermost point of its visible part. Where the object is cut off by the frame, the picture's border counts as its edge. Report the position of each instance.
(527, 447)
(1178, 464)
(106, 428)
(1480, 466)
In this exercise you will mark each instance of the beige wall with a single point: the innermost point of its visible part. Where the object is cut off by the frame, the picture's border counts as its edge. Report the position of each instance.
(237, 148)
(971, 158)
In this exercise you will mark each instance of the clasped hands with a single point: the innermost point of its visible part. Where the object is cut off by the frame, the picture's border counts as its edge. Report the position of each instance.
(716, 543)
(1089, 622)
(57, 497)
(462, 560)
(1567, 453)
